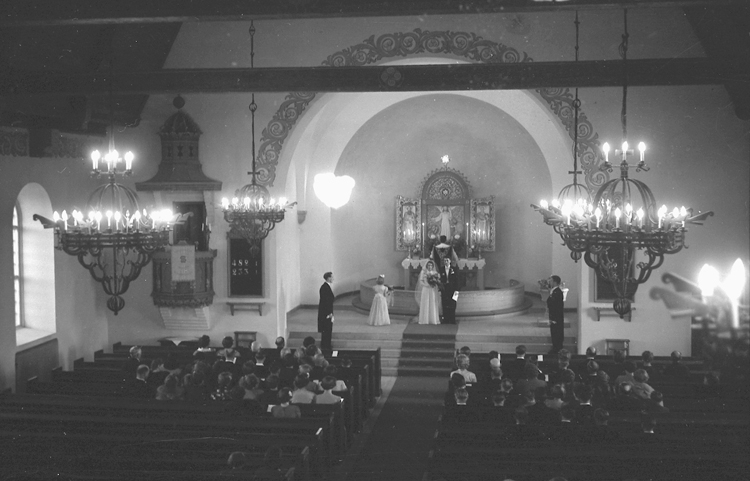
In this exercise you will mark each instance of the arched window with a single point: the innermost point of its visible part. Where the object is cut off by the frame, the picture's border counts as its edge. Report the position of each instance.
(33, 268)
(17, 295)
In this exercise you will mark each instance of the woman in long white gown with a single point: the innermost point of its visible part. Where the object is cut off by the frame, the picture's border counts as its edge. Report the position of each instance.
(379, 309)
(429, 297)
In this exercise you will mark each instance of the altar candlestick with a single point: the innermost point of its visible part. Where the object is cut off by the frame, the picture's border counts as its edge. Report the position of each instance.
(467, 240)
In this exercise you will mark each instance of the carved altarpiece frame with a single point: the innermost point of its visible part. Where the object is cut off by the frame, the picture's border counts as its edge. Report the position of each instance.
(483, 219)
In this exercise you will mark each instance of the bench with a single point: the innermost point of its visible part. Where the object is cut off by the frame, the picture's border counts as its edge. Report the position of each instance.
(251, 304)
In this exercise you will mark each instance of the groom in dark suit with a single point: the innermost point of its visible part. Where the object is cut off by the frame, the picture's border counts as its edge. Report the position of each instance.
(325, 312)
(555, 307)
(450, 283)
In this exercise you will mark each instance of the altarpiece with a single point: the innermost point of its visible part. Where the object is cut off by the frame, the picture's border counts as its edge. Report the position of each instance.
(444, 207)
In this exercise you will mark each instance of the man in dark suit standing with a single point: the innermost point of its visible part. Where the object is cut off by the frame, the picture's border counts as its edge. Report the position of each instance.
(448, 278)
(325, 312)
(555, 308)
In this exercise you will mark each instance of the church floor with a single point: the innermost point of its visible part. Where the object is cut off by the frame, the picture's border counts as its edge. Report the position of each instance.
(481, 334)
(397, 438)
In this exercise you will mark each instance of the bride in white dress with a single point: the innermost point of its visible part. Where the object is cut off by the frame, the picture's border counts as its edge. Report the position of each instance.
(428, 296)
(379, 310)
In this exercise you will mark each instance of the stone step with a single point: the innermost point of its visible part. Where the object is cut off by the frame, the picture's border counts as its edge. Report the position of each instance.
(515, 340)
(423, 372)
(372, 336)
(426, 362)
(428, 337)
(411, 352)
(429, 345)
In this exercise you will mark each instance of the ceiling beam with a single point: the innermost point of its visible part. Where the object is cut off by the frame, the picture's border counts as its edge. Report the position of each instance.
(27, 13)
(508, 76)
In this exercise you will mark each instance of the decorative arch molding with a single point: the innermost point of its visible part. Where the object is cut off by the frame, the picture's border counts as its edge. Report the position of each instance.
(401, 44)
(445, 184)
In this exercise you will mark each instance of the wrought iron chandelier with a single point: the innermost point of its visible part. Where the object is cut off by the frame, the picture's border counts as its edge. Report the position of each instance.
(621, 220)
(116, 239)
(253, 213)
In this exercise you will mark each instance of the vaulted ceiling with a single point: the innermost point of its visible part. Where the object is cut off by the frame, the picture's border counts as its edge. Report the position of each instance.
(57, 58)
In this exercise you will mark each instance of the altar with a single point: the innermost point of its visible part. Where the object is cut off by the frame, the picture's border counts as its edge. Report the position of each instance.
(499, 302)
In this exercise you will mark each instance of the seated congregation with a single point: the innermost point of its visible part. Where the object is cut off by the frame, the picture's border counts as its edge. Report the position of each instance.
(254, 413)
(522, 417)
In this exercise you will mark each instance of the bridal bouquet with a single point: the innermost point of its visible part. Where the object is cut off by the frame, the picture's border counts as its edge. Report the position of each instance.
(433, 279)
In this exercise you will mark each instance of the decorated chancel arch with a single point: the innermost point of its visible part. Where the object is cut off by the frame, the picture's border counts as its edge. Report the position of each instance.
(464, 45)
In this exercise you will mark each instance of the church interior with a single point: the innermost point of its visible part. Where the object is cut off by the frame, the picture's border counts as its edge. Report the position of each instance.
(374, 128)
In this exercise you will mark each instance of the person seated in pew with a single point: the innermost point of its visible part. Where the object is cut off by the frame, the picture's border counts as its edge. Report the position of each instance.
(274, 369)
(238, 405)
(288, 371)
(460, 412)
(656, 403)
(312, 351)
(280, 343)
(261, 370)
(647, 358)
(641, 388)
(332, 371)
(203, 351)
(555, 399)
(301, 394)
(624, 400)
(196, 390)
(319, 365)
(139, 387)
(569, 382)
(327, 397)
(345, 369)
(556, 370)
(584, 408)
(531, 381)
(676, 369)
(271, 469)
(228, 353)
(538, 413)
(271, 392)
(590, 375)
(493, 355)
(308, 341)
(499, 413)
(580, 367)
(223, 387)
(462, 361)
(133, 361)
(170, 390)
(305, 369)
(628, 368)
(514, 368)
(251, 385)
(457, 381)
(617, 366)
(602, 390)
(284, 409)
(466, 351)
(496, 371)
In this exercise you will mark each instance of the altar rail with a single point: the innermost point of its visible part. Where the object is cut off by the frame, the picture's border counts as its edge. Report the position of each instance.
(492, 301)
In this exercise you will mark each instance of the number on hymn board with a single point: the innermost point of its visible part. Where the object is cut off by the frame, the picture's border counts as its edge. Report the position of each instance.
(245, 272)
